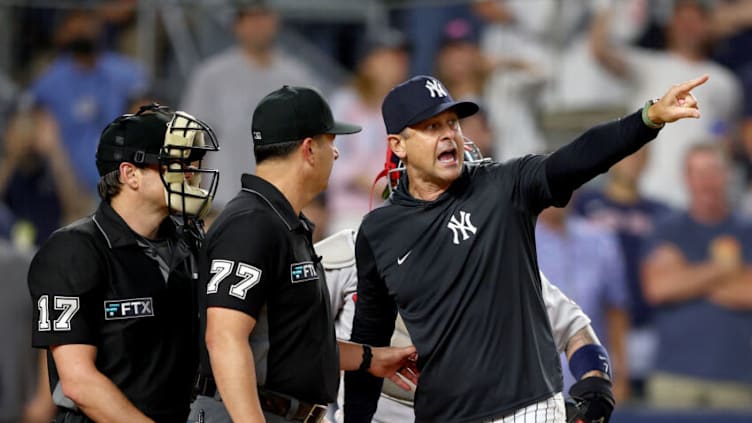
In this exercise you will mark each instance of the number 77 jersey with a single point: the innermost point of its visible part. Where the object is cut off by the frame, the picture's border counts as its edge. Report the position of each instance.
(259, 259)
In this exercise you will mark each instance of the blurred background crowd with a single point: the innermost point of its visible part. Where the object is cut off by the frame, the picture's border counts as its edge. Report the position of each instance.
(658, 251)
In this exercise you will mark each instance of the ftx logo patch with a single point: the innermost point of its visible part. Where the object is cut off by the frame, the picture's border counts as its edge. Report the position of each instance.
(126, 309)
(304, 271)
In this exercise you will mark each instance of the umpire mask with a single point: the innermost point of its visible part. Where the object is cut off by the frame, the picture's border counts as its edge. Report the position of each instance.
(186, 142)
(174, 141)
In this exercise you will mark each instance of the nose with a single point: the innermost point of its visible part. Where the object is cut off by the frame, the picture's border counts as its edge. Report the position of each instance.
(449, 133)
(336, 153)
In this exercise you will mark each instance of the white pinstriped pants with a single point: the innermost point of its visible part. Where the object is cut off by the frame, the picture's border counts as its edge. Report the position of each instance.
(550, 410)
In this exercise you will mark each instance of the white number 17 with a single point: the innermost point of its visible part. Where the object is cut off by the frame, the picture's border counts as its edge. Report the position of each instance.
(69, 305)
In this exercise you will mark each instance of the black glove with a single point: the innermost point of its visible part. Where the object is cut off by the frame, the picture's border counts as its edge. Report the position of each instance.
(594, 400)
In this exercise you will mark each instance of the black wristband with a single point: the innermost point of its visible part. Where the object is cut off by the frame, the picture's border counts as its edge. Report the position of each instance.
(367, 355)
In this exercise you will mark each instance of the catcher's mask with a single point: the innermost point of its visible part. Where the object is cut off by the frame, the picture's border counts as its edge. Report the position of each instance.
(394, 168)
(174, 141)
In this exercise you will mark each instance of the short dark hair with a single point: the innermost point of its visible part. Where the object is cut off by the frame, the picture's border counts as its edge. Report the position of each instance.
(109, 185)
(275, 150)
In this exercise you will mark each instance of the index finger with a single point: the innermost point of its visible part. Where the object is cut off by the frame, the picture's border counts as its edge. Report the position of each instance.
(689, 85)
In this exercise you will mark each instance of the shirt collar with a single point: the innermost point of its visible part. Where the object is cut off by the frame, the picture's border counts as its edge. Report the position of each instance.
(117, 232)
(276, 201)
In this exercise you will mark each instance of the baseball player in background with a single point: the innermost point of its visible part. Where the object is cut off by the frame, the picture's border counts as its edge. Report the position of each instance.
(453, 251)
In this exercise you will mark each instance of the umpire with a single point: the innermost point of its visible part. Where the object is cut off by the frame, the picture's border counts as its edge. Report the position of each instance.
(265, 283)
(454, 251)
(114, 293)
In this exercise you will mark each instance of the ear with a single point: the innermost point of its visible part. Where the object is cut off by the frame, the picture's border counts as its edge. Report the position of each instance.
(308, 148)
(130, 175)
(397, 144)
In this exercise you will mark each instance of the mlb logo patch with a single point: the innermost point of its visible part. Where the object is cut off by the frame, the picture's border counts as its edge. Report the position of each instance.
(302, 272)
(127, 309)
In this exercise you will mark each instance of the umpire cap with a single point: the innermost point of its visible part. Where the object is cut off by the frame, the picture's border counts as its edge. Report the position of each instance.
(136, 139)
(294, 113)
(418, 99)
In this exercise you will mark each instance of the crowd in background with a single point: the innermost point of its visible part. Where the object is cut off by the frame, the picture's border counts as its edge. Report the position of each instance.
(658, 252)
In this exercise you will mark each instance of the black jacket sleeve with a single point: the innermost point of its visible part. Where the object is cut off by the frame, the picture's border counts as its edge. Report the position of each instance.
(375, 312)
(593, 153)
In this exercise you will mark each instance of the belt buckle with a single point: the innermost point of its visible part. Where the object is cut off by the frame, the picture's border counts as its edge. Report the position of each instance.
(316, 415)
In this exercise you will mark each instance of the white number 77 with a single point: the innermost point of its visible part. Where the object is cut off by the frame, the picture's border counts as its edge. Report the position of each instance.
(223, 268)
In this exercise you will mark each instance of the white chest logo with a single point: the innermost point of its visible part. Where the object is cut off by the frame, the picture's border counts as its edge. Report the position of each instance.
(463, 226)
(435, 88)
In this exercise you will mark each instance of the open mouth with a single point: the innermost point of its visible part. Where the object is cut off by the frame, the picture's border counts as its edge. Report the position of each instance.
(448, 156)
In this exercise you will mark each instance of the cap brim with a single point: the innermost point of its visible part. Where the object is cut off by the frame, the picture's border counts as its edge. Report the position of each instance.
(462, 108)
(341, 128)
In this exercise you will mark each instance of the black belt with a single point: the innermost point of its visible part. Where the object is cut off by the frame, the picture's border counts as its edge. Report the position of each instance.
(273, 402)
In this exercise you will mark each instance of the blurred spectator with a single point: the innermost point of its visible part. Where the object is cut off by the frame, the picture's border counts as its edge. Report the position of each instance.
(579, 81)
(688, 34)
(24, 395)
(745, 152)
(460, 64)
(423, 26)
(463, 69)
(7, 97)
(620, 207)
(383, 64)
(37, 180)
(516, 38)
(119, 23)
(225, 89)
(732, 27)
(85, 88)
(698, 274)
(587, 264)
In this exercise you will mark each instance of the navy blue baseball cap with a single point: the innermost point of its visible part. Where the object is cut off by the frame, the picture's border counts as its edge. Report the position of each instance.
(417, 99)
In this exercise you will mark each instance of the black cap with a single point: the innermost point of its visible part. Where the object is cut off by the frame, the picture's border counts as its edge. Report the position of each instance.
(295, 113)
(136, 139)
(418, 99)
